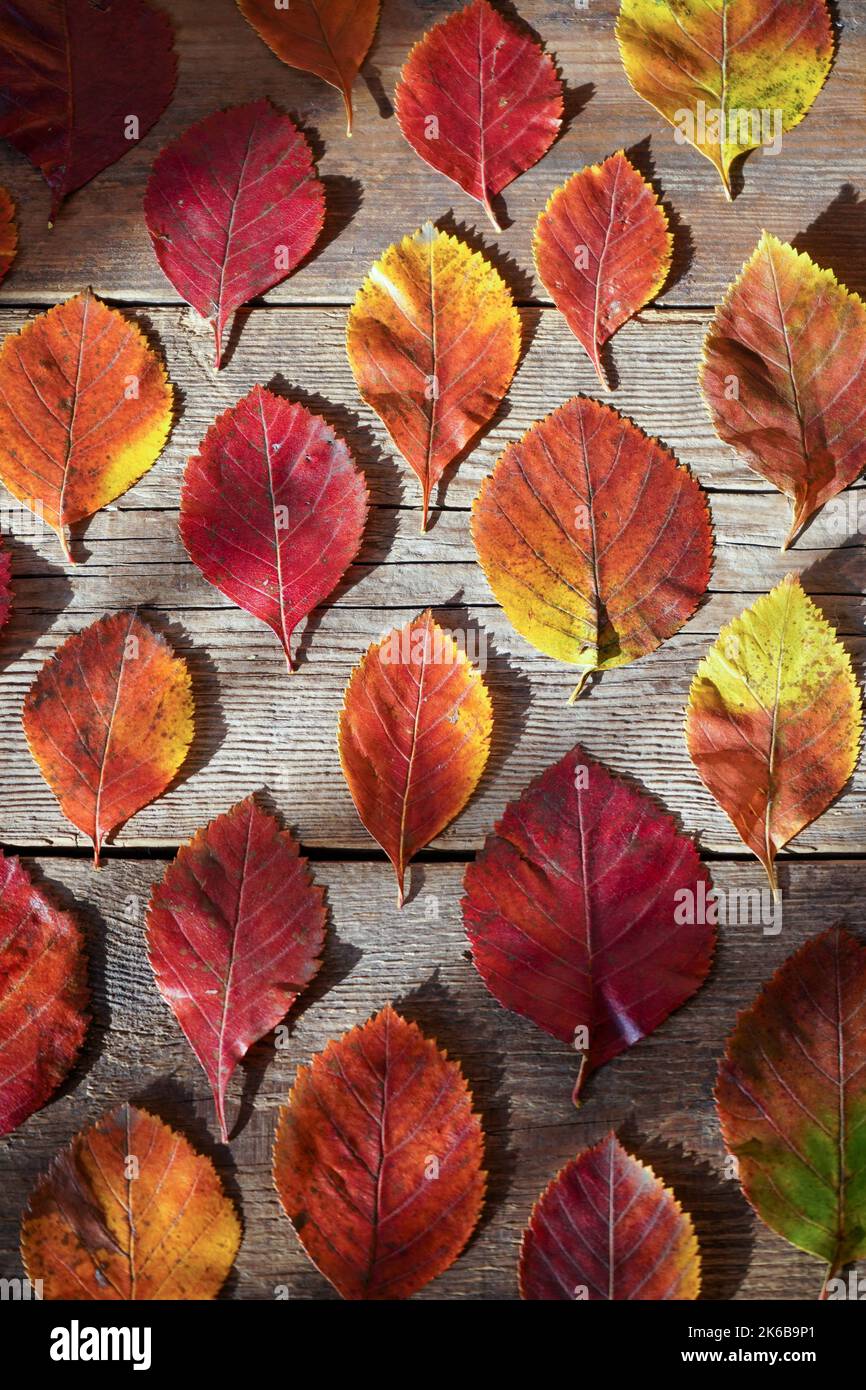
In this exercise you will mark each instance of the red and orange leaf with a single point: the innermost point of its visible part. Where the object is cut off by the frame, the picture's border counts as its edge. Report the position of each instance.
(594, 539)
(43, 995)
(588, 911)
(109, 722)
(414, 736)
(791, 1094)
(233, 206)
(774, 719)
(5, 584)
(130, 1211)
(272, 510)
(235, 930)
(433, 340)
(329, 38)
(479, 100)
(377, 1160)
(602, 250)
(784, 376)
(8, 232)
(85, 409)
(82, 83)
(608, 1228)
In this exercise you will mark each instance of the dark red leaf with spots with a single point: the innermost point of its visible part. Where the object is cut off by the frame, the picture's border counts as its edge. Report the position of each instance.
(607, 1228)
(233, 206)
(81, 83)
(588, 911)
(272, 509)
(235, 930)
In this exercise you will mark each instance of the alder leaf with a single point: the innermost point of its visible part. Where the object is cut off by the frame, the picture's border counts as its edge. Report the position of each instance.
(729, 77)
(377, 1160)
(130, 1211)
(587, 911)
(608, 1228)
(330, 39)
(791, 1095)
(232, 207)
(85, 410)
(8, 232)
(43, 995)
(109, 721)
(774, 720)
(83, 83)
(5, 584)
(602, 250)
(272, 510)
(235, 930)
(594, 539)
(414, 735)
(784, 376)
(433, 340)
(479, 100)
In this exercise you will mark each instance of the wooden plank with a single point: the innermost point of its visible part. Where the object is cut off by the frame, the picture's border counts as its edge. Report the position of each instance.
(657, 1095)
(378, 188)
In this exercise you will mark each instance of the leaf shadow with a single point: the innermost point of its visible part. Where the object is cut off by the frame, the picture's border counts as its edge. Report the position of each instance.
(433, 1008)
(836, 238)
(723, 1220)
(27, 623)
(372, 78)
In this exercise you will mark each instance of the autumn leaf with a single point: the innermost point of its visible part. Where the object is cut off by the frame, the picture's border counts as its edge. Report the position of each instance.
(729, 77)
(588, 912)
(791, 1095)
(109, 722)
(594, 539)
(8, 232)
(83, 83)
(377, 1160)
(5, 584)
(479, 100)
(414, 735)
(43, 995)
(602, 250)
(85, 409)
(433, 340)
(235, 930)
(130, 1211)
(272, 510)
(233, 206)
(330, 40)
(774, 720)
(608, 1228)
(784, 375)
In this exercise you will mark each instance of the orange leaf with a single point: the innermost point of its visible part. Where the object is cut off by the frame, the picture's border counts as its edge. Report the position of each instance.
(596, 542)
(414, 736)
(433, 340)
(603, 250)
(784, 376)
(330, 39)
(130, 1211)
(43, 995)
(109, 722)
(8, 232)
(85, 409)
(377, 1160)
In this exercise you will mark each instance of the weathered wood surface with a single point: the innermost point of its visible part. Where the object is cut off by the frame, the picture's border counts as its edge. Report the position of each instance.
(657, 1095)
(379, 189)
(257, 728)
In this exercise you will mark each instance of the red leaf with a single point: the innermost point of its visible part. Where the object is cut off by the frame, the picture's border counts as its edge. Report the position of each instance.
(575, 910)
(608, 1228)
(603, 250)
(43, 995)
(273, 509)
(235, 930)
(480, 101)
(377, 1160)
(8, 233)
(233, 206)
(73, 74)
(5, 584)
